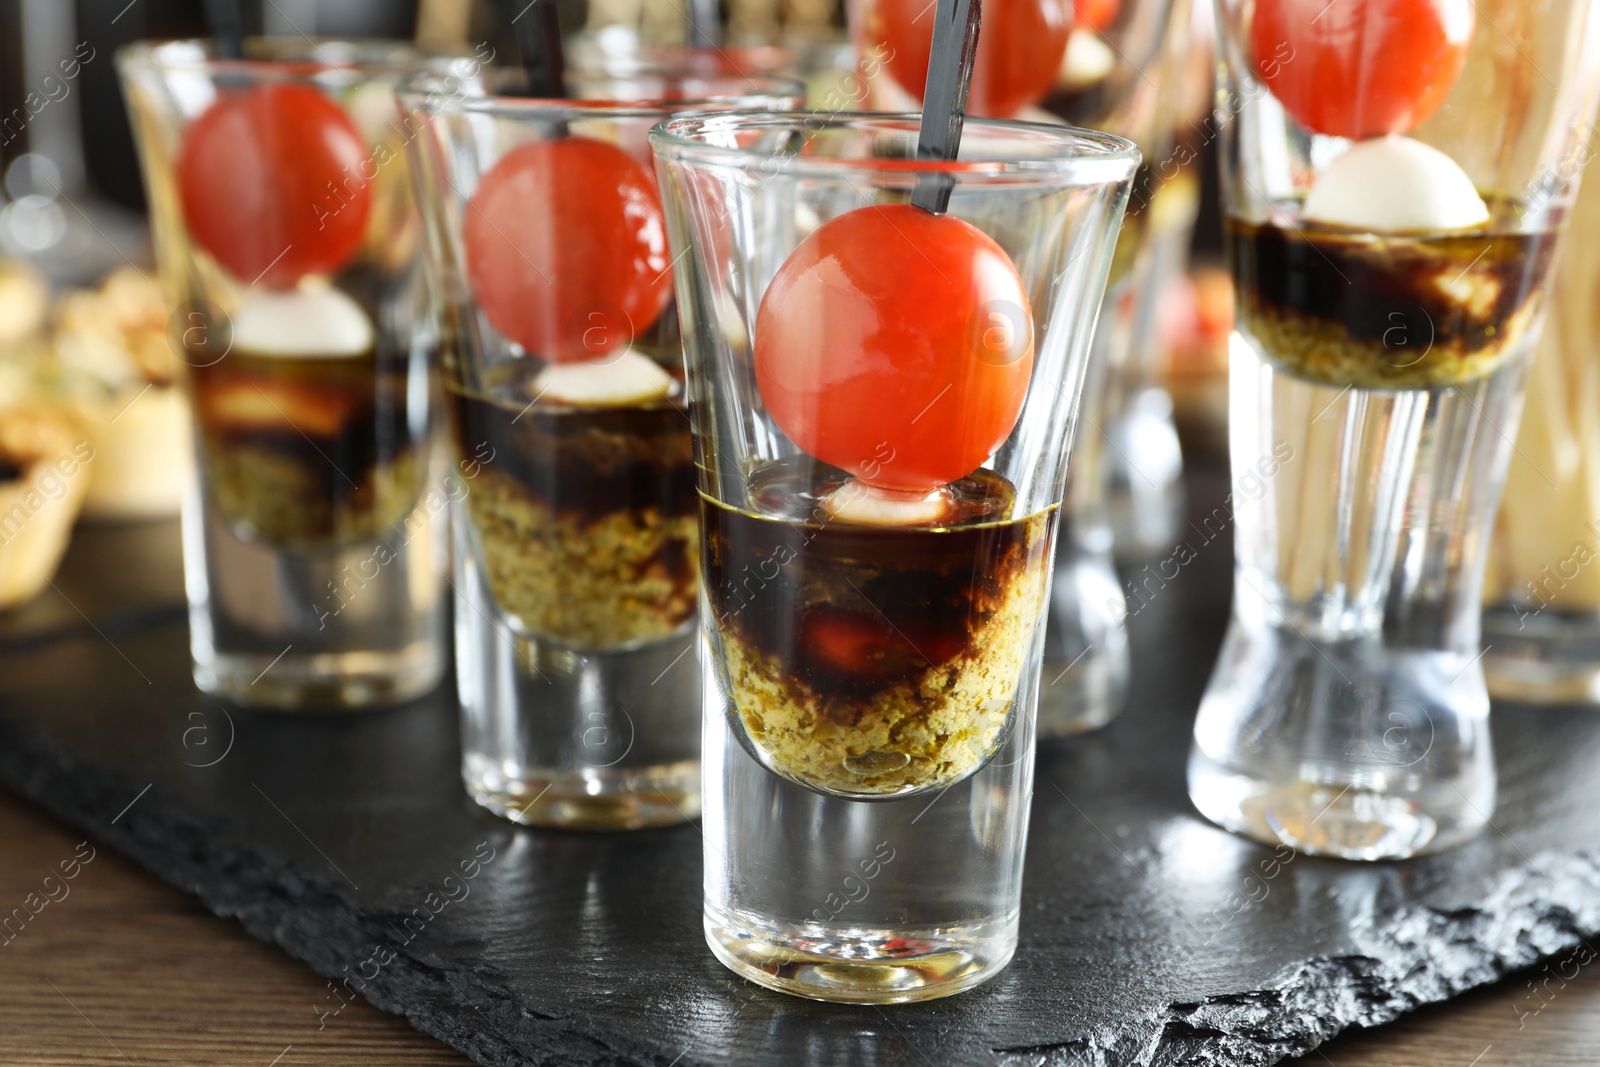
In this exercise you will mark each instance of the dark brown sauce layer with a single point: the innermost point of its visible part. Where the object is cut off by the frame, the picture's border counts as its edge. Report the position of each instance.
(311, 451)
(848, 610)
(1453, 292)
(581, 461)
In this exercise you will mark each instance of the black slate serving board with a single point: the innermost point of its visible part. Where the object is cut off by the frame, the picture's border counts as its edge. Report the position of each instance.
(1149, 936)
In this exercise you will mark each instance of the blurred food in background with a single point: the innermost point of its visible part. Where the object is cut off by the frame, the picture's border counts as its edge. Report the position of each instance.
(112, 367)
(101, 360)
(43, 463)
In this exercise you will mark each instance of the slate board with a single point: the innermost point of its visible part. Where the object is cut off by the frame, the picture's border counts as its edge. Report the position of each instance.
(1140, 943)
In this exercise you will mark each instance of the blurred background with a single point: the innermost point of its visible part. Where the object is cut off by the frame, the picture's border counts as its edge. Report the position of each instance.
(71, 202)
(83, 324)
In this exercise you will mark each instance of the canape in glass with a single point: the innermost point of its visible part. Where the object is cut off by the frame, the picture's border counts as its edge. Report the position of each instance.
(1391, 220)
(577, 557)
(287, 239)
(882, 401)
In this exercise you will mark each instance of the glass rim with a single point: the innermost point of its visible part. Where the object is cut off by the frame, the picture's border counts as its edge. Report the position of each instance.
(1084, 156)
(444, 92)
(284, 57)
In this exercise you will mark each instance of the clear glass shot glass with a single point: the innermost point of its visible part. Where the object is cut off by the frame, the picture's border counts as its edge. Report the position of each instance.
(577, 557)
(1391, 243)
(1119, 75)
(878, 532)
(287, 237)
(1143, 460)
(1541, 626)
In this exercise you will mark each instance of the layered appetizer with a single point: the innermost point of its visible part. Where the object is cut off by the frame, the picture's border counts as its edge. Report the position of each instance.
(1393, 271)
(307, 436)
(875, 594)
(584, 511)
(311, 431)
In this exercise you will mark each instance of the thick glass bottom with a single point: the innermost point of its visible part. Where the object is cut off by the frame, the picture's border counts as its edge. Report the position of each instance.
(1328, 819)
(1344, 749)
(1347, 714)
(859, 965)
(630, 799)
(324, 681)
(335, 628)
(1546, 657)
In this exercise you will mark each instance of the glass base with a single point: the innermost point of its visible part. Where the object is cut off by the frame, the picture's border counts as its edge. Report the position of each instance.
(860, 965)
(324, 681)
(1546, 657)
(633, 799)
(580, 739)
(1343, 748)
(1084, 683)
(1346, 822)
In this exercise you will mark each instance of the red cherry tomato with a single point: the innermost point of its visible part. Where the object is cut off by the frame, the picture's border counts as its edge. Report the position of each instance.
(870, 647)
(566, 248)
(271, 183)
(1360, 68)
(897, 345)
(1097, 14)
(1020, 47)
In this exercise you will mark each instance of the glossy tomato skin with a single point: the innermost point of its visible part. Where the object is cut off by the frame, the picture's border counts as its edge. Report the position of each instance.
(897, 345)
(1097, 14)
(566, 248)
(1021, 44)
(1360, 68)
(270, 179)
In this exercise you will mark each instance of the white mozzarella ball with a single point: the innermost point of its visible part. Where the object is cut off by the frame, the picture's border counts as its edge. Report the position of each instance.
(302, 322)
(866, 505)
(623, 379)
(1394, 184)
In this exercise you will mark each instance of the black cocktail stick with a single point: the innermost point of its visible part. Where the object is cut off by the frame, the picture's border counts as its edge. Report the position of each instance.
(538, 32)
(227, 28)
(944, 105)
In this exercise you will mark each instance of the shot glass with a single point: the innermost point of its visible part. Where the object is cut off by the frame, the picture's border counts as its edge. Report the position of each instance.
(1119, 75)
(287, 237)
(1541, 627)
(882, 402)
(1391, 241)
(577, 555)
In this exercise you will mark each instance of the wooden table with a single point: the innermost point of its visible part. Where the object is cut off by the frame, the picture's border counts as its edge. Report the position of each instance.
(127, 970)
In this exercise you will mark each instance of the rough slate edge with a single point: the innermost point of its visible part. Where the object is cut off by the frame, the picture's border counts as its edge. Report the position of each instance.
(1544, 908)
(1419, 956)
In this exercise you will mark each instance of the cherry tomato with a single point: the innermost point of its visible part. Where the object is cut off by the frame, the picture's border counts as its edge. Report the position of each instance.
(270, 179)
(1360, 68)
(566, 248)
(897, 345)
(1020, 48)
(863, 647)
(1097, 14)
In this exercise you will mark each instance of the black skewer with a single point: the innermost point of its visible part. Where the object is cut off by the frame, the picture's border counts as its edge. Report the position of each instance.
(227, 28)
(538, 32)
(944, 105)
